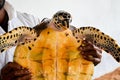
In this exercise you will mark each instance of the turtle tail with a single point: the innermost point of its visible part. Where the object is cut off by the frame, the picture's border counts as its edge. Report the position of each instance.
(99, 39)
(16, 36)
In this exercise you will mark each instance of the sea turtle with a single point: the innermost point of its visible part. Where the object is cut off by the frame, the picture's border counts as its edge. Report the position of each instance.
(50, 49)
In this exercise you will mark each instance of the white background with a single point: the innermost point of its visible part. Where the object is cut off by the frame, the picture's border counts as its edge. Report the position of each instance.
(102, 14)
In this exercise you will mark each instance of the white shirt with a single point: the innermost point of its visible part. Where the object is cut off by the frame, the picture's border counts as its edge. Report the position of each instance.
(16, 19)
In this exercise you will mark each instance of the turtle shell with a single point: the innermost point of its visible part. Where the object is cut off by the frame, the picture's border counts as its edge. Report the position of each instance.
(54, 55)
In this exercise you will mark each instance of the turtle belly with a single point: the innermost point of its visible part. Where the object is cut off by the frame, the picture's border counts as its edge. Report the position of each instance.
(54, 56)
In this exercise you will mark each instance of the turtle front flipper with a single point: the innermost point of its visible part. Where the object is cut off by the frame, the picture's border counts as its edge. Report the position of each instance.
(16, 36)
(99, 39)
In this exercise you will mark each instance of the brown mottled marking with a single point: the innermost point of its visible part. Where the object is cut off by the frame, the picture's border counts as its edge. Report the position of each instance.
(29, 48)
(99, 39)
(21, 35)
(16, 36)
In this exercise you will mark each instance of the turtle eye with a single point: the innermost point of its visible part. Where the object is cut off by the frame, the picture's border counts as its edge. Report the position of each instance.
(62, 20)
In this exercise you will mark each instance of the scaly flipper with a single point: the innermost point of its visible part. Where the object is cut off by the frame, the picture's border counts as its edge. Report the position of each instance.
(99, 39)
(21, 35)
(16, 36)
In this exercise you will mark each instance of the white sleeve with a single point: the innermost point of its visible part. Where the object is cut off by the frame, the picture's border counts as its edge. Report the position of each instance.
(22, 19)
(28, 19)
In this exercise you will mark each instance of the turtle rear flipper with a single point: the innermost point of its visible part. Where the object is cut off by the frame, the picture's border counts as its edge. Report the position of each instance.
(16, 36)
(99, 39)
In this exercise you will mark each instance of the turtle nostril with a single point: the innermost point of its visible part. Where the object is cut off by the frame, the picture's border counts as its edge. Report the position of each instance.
(69, 16)
(64, 16)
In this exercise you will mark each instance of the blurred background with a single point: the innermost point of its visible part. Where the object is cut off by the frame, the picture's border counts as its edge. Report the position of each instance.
(102, 14)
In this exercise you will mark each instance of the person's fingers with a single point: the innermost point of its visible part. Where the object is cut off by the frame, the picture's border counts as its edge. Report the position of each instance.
(21, 72)
(95, 60)
(93, 55)
(88, 48)
(16, 74)
(6, 77)
(91, 58)
(15, 66)
(90, 52)
(10, 66)
(12, 70)
(25, 77)
(85, 46)
(97, 49)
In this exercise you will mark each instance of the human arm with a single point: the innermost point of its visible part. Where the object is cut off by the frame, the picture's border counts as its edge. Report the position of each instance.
(90, 52)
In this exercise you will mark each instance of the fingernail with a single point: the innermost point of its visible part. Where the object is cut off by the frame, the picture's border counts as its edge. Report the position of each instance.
(91, 57)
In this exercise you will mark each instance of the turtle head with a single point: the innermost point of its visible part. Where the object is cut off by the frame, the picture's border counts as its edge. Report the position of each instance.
(61, 20)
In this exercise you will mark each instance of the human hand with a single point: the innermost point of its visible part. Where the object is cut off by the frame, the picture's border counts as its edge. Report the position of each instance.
(90, 52)
(13, 71)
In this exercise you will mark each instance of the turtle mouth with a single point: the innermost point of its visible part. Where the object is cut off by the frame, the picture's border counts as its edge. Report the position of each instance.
(61, 27)
(54, 26)
(65, 28)
(61, 24)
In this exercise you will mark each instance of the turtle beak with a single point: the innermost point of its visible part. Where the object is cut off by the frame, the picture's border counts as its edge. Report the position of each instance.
(54, 26)
(64, 28)
(65, 24)
(62, 25)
